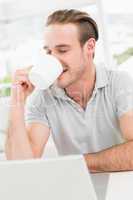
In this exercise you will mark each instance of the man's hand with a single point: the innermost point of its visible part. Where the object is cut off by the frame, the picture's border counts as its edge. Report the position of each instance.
(21, 86)
(23, 142)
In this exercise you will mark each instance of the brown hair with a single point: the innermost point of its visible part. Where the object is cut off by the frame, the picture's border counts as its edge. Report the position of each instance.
(87, 26)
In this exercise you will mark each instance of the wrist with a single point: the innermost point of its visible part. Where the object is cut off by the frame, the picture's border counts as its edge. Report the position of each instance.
(18, 96)
(91, 162)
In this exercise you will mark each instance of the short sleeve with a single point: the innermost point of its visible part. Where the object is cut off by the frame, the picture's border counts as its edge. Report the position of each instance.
(123, 93)
(35, 109)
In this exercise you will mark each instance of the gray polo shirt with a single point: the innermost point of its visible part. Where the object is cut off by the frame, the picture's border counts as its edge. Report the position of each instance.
(78, 131)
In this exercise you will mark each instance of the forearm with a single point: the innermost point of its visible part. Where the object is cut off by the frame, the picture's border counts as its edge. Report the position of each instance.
(17, 142)
(116, 158)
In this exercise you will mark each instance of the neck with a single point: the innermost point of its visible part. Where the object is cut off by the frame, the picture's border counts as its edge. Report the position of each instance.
(81, 91)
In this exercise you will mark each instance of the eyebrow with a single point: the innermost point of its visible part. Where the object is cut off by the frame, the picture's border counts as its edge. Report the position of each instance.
(58, 46)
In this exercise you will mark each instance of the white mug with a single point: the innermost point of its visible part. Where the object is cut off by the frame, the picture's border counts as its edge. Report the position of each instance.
(46, 69)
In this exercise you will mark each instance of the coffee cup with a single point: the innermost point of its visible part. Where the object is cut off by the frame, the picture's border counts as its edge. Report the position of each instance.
(45, 71)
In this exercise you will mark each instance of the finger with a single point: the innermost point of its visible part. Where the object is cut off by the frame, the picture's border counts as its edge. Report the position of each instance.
(22, 79)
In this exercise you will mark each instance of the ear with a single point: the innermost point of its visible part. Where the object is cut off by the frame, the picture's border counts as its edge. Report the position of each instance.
(90, 46)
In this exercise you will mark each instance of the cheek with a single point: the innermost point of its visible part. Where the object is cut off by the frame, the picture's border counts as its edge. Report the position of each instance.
(74, 62)
(78, 64)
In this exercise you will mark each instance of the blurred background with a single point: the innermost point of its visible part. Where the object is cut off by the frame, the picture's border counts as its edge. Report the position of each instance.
(22, 24)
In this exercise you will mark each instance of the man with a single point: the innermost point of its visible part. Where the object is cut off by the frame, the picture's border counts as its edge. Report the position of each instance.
(89, 111)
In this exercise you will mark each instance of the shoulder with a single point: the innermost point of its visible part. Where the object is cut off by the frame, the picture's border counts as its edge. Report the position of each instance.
(114, 77)
(115, 81)
(40, 98)
(120, 79)
(37, 97)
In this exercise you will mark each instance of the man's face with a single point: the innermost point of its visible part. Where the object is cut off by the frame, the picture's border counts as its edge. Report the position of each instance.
(62, 41)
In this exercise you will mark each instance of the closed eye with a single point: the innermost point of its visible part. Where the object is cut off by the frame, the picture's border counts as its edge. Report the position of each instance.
(62, 51)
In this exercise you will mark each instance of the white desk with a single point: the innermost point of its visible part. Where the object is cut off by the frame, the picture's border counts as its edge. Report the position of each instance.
(100, 181)
(114, 186)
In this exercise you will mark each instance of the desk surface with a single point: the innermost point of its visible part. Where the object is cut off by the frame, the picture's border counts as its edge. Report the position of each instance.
(113, 186)
(100, 181)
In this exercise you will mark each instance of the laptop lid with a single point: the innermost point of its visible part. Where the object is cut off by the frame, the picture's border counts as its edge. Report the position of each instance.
(62, 178)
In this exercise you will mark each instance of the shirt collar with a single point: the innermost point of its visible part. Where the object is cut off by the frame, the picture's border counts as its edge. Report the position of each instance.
(58, 92)
(101, 77)
(101, 81)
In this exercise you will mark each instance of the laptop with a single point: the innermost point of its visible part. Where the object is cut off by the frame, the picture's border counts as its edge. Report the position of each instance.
(61, 178)
(120, 186)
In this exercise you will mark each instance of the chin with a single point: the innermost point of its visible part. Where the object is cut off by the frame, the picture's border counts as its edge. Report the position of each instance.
(65, 80)
(64, 84)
